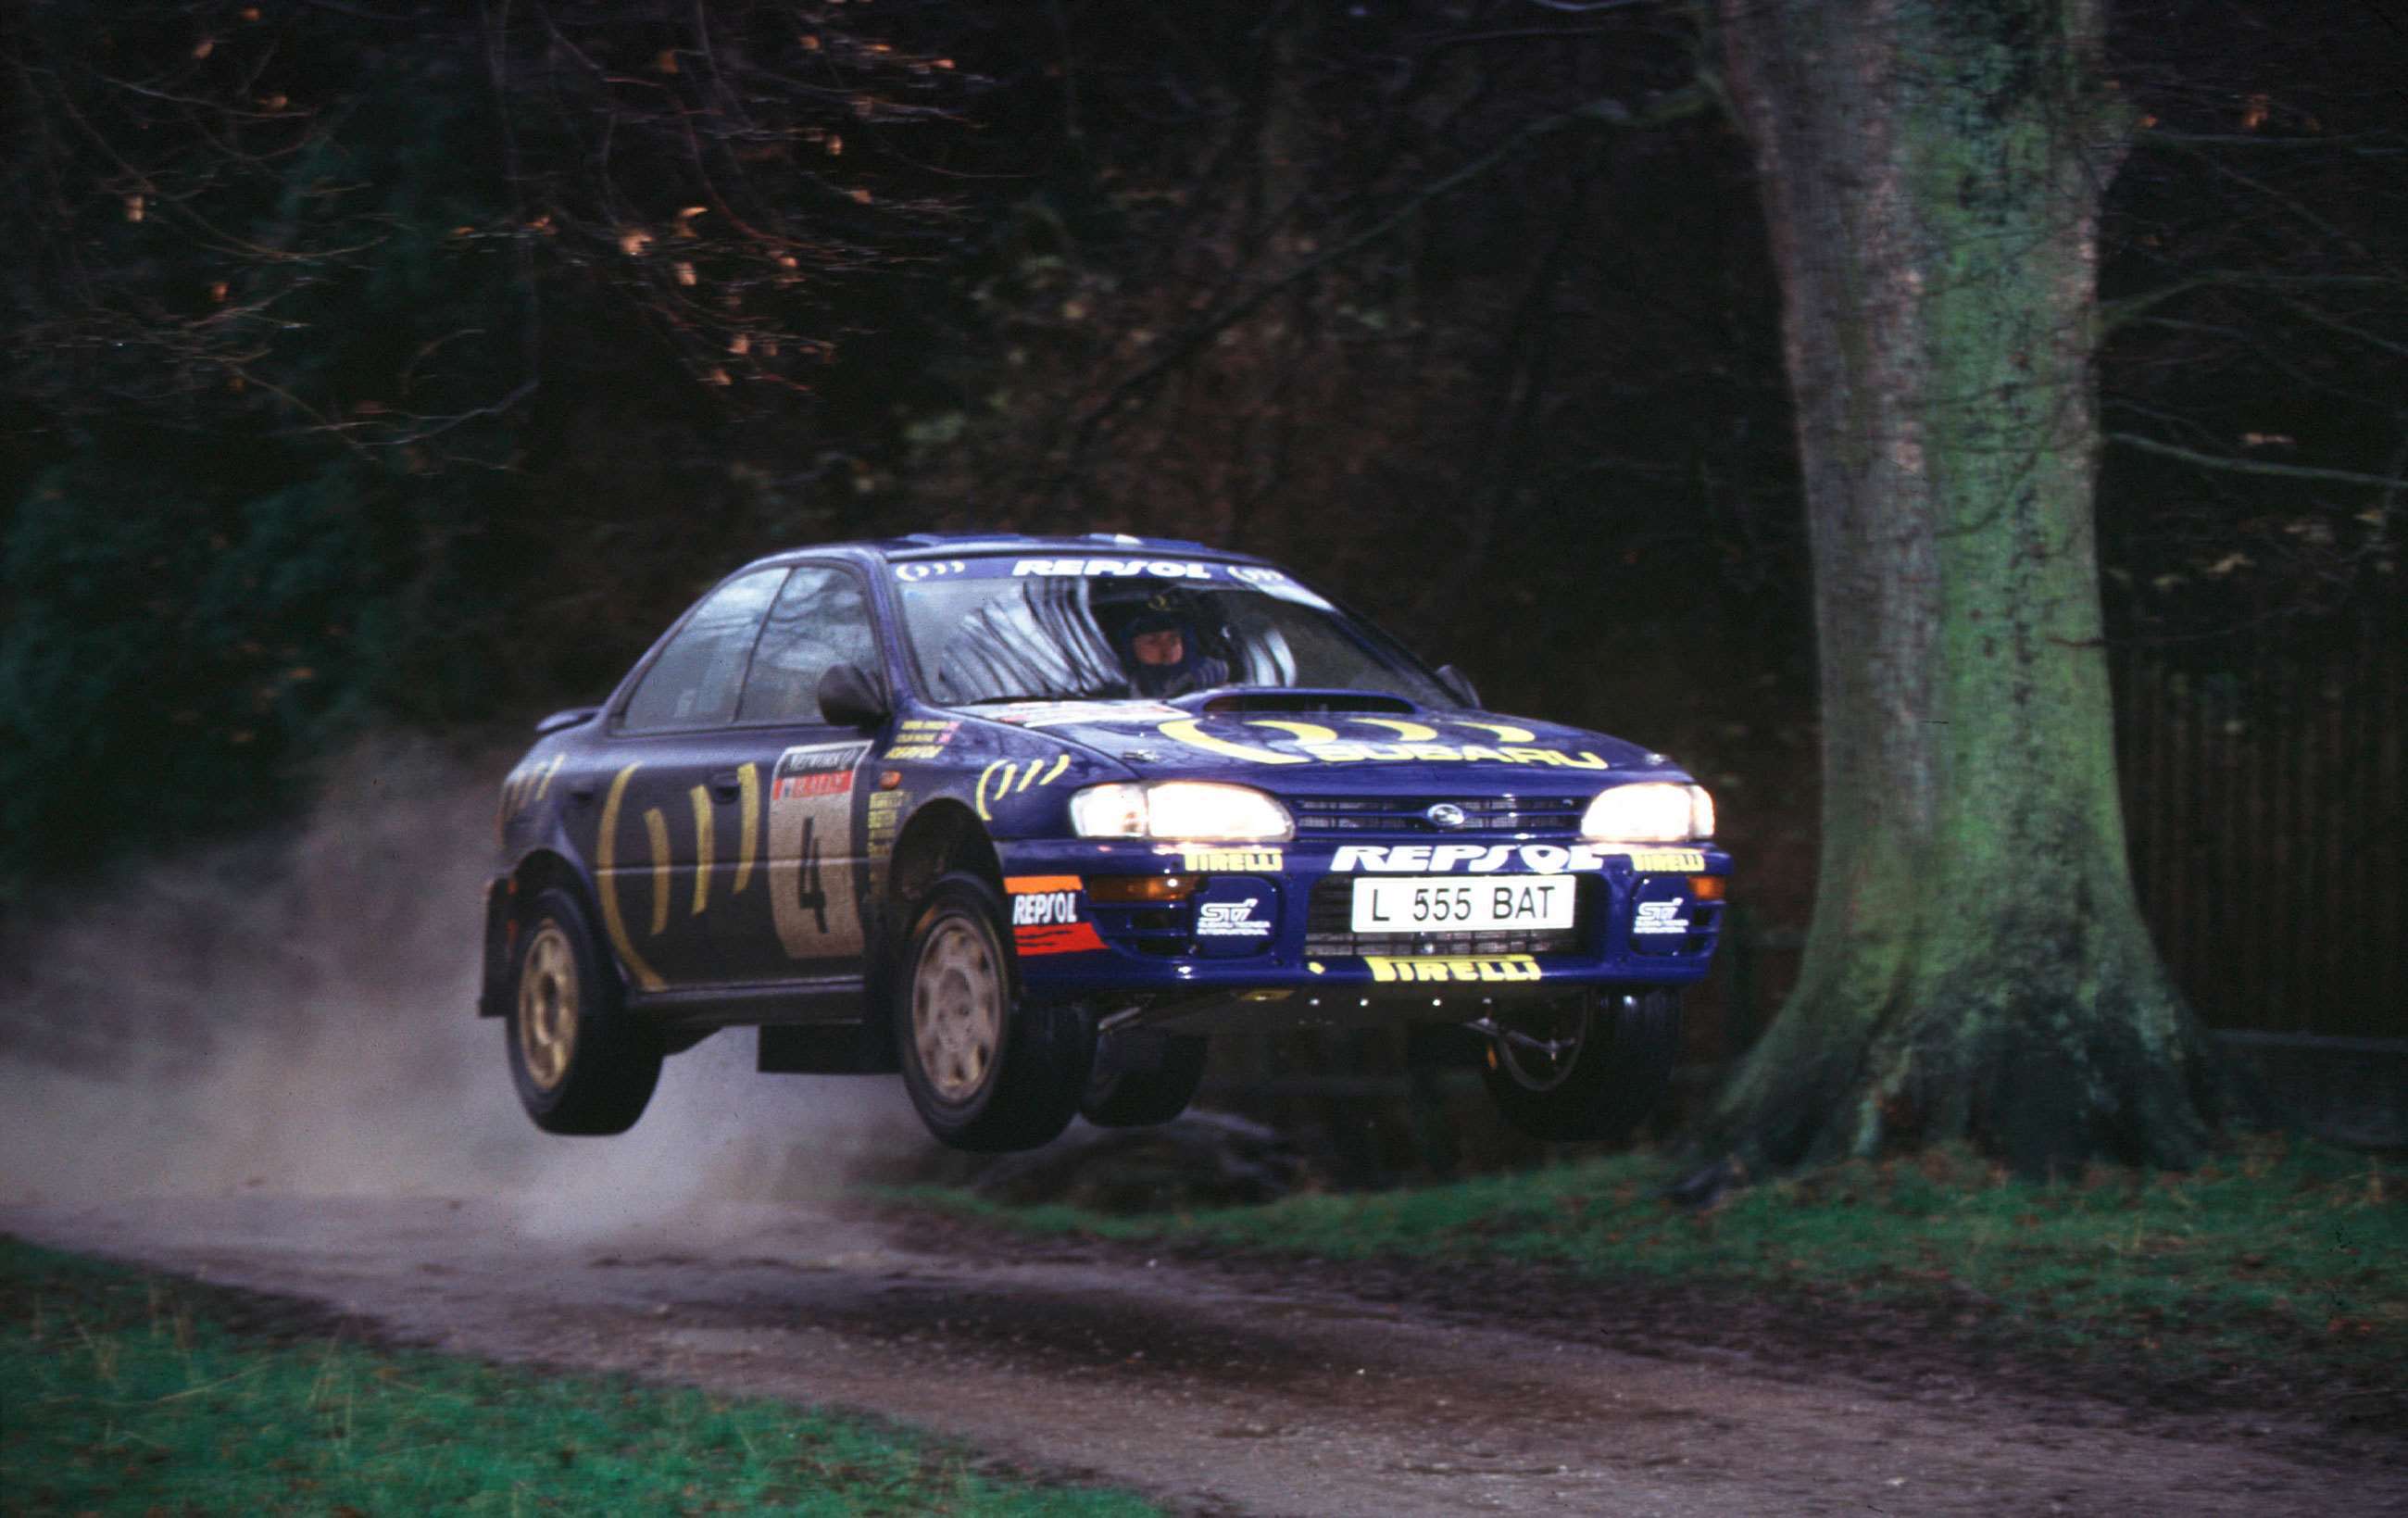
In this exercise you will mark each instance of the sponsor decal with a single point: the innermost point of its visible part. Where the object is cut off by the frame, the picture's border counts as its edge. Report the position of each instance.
(1473, 858)
(1061, 939)
(1006, 777)
(1045, 909)
(1203, 858)
(1155, 568)
(1660, 917)
(923, 738)
(811, 823)
(1668, 861)
(1345, 753)
(705, 840)
(606, 881)
(1254, 577)
(1191, 733)
(1047, 917)
(1231, 920)
(527, 784)
(1276, 582)
(1503, 968)
(656, 829)
(748, 779)
(823, 770)
(1063, 713)
(883, 819)
(1316, 742)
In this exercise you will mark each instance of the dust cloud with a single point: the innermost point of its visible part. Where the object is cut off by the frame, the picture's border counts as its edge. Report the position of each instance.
(295, 1015)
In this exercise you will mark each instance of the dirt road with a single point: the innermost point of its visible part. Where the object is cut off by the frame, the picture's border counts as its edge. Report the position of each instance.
(1217, 1387)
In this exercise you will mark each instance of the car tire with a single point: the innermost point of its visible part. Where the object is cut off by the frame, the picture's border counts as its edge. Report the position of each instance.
(988, 1071)
(1586, 1068)
(582, 1063)
(1140, 1098)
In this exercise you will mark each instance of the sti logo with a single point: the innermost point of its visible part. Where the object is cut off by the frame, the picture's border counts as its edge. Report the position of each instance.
(1231, 920)
(1660, 917)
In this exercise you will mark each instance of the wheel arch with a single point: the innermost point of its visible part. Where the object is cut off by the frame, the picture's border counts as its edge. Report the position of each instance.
(942, 836)
(513, 895)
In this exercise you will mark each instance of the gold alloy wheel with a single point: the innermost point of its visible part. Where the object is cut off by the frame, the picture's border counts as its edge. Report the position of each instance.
(957, 1008)
(548, 1005)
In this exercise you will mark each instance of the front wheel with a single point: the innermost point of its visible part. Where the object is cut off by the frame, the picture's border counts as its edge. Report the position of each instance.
(580, 1063)
(1589, 1066)
(986, 1071)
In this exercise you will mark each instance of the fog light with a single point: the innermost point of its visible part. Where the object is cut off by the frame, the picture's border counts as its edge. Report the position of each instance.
(1706, 887)
(1124, 890)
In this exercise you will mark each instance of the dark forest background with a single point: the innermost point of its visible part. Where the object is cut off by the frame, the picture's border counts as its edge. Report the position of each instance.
(383, 366)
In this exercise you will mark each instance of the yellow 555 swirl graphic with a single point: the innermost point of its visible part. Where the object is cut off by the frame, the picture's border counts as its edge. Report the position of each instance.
(656, 837)
(1412, 741)
(997, 779)
(605, 857)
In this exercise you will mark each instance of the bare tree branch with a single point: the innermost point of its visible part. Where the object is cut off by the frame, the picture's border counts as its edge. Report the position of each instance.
(2255, 467)
(1670, 107)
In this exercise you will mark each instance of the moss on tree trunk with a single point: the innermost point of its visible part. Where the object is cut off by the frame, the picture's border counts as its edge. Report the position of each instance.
(1977, 967)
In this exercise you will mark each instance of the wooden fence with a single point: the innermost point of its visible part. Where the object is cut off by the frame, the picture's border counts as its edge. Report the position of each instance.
(2263, 789)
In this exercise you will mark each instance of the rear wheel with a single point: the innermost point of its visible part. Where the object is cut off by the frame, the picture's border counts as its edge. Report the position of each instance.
(582, 1064)
(1589, 1066)
(986, 1071)
(1136, 1098)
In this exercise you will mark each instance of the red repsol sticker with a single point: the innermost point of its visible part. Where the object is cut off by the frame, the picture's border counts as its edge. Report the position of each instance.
(1057, 939)
(1046, 917)
(1044, 907)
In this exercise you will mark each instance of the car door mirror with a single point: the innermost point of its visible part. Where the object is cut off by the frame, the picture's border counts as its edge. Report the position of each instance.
(849, 698)
(1459, 685)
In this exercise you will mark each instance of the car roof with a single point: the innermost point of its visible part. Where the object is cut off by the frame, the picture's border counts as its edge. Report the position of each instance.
(954, 545)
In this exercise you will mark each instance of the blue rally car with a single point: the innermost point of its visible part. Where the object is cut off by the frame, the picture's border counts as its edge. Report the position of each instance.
(1028, 819)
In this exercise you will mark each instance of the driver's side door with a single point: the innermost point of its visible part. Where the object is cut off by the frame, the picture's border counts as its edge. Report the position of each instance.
(808, 921)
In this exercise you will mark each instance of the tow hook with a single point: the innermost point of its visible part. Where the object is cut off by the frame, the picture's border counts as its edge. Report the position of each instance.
(1549, 1047)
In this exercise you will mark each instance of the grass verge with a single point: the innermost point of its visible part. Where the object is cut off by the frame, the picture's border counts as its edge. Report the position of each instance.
(125, 1393)
(2281, 1252)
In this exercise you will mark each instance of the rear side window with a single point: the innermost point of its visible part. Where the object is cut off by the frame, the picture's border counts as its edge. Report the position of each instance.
(694, 681)
(821, 620)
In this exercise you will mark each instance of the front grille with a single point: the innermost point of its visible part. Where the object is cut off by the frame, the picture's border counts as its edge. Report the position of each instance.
(1329, 929)
(1531, 816)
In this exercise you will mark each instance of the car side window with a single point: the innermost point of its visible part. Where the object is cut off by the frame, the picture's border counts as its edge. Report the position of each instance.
(821, 620)
(694, 681)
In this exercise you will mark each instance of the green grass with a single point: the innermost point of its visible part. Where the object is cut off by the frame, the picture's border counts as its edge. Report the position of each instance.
(2279, 1250)
(120, 1395)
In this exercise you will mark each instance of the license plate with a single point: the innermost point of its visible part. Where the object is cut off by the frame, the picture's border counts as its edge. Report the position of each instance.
(1422, 904)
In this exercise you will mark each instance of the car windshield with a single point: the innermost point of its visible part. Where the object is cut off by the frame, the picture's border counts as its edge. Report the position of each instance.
(1004, 629)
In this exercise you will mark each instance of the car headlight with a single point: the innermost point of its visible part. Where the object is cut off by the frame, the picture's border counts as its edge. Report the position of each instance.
(1650, 812)
(1192, 810)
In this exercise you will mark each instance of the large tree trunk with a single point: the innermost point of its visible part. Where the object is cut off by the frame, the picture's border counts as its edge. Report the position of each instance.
(1977, 967)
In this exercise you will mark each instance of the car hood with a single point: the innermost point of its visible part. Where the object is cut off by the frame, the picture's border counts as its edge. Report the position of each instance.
(1300, 752)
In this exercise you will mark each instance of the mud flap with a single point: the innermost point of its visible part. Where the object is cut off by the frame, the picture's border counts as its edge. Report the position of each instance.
(492, 996)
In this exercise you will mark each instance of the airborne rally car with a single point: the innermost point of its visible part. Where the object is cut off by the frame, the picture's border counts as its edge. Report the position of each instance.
(1028, 819)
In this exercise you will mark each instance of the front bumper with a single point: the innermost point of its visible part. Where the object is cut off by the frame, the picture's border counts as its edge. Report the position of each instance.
(1271, 923)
